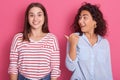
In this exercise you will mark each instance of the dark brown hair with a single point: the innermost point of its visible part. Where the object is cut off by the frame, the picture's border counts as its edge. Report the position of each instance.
(97, 15)
(27, 25)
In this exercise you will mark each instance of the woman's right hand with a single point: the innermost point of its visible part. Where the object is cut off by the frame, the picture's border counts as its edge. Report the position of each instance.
(73, 39)
(13, 76)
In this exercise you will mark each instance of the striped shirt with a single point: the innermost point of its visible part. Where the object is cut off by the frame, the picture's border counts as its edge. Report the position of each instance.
(35, 59)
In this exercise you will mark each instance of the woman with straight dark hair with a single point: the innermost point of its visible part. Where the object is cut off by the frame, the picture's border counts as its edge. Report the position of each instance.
(88, 52)
(34, 53)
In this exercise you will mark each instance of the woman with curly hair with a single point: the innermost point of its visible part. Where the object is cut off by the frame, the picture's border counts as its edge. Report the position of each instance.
(88, 52)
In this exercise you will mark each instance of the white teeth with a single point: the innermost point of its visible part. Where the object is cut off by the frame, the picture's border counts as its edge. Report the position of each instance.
(35, 23)
(83, 25)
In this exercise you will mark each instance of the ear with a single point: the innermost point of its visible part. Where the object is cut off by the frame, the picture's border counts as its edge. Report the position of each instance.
(95, 24)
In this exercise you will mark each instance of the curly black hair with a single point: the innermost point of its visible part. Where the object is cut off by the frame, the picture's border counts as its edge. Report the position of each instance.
(97, 15)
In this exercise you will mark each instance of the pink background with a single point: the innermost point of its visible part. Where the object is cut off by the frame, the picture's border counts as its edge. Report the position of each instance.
(61, 14)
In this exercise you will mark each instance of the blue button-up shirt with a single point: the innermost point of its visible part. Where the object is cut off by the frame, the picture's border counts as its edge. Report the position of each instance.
(92, 62)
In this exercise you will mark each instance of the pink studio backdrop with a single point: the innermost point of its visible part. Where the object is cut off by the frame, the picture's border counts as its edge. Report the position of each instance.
(61, 14)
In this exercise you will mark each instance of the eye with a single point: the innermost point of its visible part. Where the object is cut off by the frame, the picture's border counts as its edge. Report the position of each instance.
(31, 15)
(85, 17)
(80, 17)
(39, 14)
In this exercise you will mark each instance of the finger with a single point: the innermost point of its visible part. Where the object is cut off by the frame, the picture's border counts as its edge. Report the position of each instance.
(77, 36)
(66, 37)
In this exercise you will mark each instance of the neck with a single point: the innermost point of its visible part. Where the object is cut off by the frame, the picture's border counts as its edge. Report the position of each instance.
(36, 32)
(92, 38)
(90, 35)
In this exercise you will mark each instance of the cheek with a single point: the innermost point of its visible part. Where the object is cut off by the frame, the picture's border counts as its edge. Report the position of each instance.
(30, 19)
(42, 18)
(79, 22)
(89, 23)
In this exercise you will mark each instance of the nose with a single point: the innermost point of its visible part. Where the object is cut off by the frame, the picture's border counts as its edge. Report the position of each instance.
(80, 21)
(35, 18)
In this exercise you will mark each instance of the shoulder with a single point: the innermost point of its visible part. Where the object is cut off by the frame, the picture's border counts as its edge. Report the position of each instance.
(18, 36)
(76, 33)
(51, 35)
(104, 40)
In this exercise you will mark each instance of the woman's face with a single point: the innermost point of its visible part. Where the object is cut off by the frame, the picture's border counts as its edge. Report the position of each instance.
(86, 22)
(36, 17)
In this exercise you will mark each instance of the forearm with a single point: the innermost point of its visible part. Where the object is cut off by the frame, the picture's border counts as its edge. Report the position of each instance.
(72, 52)
(13, 76)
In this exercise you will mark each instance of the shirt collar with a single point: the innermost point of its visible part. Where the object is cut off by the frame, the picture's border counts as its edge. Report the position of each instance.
(85, 38)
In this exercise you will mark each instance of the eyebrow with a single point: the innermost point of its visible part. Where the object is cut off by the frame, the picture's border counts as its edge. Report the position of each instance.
(85, 15)
(32, 12)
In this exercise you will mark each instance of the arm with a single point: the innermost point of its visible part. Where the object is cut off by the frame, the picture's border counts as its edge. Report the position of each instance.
(55, 60)
(73, 40)
(13, 67)
(71, 57)
(109, 67)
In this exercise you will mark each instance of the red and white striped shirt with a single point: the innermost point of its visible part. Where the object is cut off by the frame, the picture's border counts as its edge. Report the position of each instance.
(33, 59)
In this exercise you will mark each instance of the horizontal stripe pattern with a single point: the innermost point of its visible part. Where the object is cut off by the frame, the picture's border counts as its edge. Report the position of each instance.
(33, 59)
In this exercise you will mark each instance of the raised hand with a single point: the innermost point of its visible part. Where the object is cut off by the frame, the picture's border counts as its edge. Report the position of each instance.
(73, 40)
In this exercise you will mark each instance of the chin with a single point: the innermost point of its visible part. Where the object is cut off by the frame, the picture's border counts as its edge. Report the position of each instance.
(83, 30)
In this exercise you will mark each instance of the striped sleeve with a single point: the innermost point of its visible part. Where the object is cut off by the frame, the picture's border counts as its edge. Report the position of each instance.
(55, 61)
(13, 67)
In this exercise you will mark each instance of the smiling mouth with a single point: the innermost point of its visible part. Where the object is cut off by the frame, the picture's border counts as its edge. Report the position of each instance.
(82, 26)
(36, 23)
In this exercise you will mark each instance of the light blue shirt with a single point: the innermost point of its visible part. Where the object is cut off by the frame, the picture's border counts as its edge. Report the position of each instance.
(92, 62)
